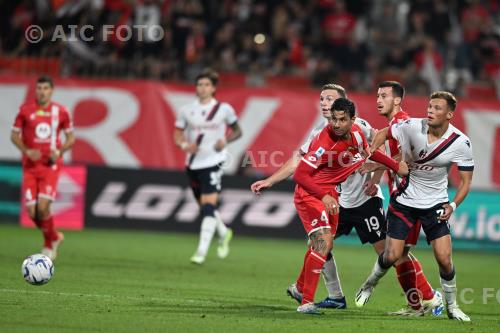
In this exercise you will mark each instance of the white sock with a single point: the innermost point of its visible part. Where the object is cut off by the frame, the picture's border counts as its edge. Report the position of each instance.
(207, 231)
(450, 291)
(376, 274)
(221, 227)
(331, 278)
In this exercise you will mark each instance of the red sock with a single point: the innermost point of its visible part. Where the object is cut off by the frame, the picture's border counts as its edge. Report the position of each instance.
(423, 285)
(49, 232)
(407, 277)
(314, 265)
(300, 280)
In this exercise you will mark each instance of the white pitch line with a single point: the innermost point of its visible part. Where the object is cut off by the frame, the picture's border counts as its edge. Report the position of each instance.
(45, 292)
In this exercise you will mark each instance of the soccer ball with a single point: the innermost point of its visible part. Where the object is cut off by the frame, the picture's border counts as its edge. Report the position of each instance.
(37, 269)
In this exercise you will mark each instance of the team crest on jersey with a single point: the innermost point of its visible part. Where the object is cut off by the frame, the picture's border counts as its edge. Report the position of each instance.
(43, 131)
(319, 152)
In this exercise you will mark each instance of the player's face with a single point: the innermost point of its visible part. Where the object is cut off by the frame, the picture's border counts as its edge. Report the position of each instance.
(43, 93)
(438, 112)
(326, 100)
(385, 101)
(341, 122)
(204, 88)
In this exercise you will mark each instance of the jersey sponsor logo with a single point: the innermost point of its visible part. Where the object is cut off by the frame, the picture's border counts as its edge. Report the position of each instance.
(43, 131)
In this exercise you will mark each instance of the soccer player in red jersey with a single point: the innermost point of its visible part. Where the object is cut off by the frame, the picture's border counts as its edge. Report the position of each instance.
(36, 133)
(334, 154)
(418, 291)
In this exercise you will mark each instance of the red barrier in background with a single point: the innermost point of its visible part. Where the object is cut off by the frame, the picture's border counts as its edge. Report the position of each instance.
(130, 123)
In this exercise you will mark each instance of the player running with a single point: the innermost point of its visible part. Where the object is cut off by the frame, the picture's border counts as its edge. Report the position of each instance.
(201, 132)
(421, 298)
(430, 145)
(36, 134)
(335, 153)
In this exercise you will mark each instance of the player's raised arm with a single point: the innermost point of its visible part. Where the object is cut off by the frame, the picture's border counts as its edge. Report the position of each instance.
(401, 168)
(285, 171)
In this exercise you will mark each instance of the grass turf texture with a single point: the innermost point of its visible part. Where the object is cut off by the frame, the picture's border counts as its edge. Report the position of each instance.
(130, 281)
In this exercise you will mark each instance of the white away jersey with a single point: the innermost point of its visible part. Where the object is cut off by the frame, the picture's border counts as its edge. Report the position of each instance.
(351, 191)
(427, 183)
(205, 124)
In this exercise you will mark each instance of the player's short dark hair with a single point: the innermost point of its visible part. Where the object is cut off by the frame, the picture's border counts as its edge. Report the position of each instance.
(336, 87)
(46, 79)
(397, 88)
(345, 105)
(210, 74)
(450, 99)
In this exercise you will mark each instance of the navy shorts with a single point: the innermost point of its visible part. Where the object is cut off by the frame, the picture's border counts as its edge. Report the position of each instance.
(401, 219)
(205, 181)
(368, 220)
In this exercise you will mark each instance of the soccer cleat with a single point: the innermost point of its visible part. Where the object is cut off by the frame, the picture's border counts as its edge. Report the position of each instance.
(223, 248)
(52, 252)
(434, 305)
(197, 259)
(454, 312)
(308, 308)
(294, 293)
(407, 311)
(363, 295)
(332, 303)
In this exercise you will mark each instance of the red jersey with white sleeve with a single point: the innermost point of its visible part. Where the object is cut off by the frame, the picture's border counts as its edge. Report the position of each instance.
(328, 162)
(40, 128)
(392, 149)
(332, 160)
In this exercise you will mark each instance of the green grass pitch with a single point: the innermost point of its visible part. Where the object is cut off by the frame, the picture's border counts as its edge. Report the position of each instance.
(132, 281)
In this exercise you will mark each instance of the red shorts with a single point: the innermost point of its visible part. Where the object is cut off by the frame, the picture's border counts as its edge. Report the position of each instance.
(312, 213)
(40, 183)
(413, 235)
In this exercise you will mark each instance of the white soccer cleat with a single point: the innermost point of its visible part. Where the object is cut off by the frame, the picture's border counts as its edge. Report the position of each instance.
(407, 311)
(197, 259)
(455, 313)
(434, 305)
(308, 308)
(223, 248)
(294, 293)
(363, 295)
(52, 252)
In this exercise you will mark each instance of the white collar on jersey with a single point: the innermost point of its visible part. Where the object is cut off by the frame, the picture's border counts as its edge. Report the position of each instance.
(446, 134)
(212, 102)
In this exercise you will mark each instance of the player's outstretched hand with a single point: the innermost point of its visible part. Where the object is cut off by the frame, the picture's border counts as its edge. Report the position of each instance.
(448, 210)
(331, 205)
(33, 154)
(220, 144)
(403, 170)
(370, 188)
(260, 185)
